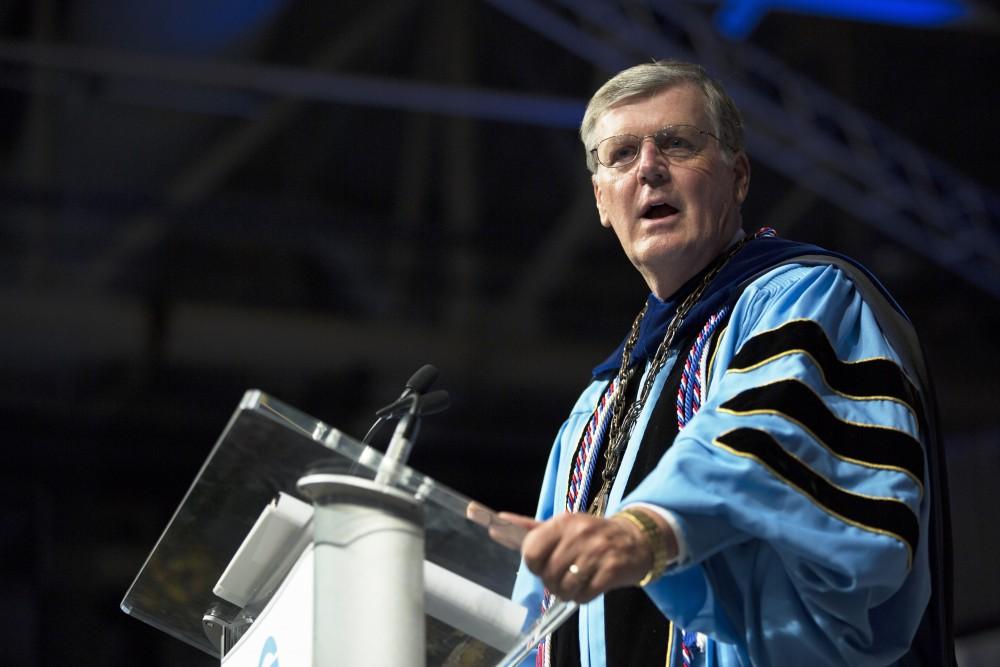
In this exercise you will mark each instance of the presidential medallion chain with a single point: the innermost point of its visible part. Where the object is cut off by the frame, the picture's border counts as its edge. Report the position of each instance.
(623, 421)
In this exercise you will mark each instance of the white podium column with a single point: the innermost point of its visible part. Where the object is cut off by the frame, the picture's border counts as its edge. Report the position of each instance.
(369, 588)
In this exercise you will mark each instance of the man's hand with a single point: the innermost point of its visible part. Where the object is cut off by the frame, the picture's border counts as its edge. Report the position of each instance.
(580, 556)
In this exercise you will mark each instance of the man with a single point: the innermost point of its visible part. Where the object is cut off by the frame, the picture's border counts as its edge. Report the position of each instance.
(753, 477)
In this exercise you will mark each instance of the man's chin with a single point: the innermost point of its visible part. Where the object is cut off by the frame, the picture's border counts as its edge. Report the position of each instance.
(665, 252)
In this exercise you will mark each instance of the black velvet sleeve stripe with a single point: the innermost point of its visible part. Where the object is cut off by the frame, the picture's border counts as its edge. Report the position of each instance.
(874, 446)
(869, 378)
(886, 516)
(714, 343)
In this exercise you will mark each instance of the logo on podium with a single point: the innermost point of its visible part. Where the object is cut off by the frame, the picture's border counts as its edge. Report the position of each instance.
(269, 654)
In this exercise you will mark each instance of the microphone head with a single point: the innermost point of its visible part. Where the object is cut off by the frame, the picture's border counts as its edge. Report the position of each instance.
(422, 380)
(434, 402)
(425, 404)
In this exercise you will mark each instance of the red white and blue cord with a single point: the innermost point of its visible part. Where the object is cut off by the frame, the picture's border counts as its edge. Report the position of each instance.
(578, 493)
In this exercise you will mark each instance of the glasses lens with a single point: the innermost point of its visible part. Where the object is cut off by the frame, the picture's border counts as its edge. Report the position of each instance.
(618, 151)
(680, 141)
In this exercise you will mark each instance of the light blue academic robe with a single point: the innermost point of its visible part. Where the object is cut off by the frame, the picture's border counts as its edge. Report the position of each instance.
(776, 574)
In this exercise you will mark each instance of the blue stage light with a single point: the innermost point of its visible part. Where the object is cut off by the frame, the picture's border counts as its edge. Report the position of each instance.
(737, 18)
(185, 27)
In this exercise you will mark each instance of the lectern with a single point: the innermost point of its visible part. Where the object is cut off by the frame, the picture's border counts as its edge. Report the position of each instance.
(300, 546)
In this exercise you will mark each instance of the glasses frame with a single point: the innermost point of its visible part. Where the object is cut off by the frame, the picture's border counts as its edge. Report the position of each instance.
(642, 140)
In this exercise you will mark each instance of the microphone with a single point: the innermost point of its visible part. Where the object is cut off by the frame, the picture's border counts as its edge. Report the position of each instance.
(419, 382)
(433, 403)
(413, 406)
(428, 404)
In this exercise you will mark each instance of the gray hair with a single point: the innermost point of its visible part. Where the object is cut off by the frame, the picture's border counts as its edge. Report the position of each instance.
(649, 79)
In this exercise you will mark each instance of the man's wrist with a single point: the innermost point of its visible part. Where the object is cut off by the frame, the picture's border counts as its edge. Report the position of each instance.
(656, 537)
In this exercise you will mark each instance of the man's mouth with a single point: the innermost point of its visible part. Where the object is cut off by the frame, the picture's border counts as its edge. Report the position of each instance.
(658, 212)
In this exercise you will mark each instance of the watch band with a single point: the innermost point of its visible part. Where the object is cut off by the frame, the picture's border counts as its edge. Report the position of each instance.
(654, 536)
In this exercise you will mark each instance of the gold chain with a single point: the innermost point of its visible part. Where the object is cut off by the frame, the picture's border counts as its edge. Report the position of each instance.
(622, 424)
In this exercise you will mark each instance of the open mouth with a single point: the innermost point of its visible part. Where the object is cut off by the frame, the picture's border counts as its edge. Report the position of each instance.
(658, 211)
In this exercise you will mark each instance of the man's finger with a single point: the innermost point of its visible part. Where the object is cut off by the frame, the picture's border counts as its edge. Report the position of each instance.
(525, 522)
(504, 527)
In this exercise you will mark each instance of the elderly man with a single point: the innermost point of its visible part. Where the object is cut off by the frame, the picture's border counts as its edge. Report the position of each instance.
(753, 477)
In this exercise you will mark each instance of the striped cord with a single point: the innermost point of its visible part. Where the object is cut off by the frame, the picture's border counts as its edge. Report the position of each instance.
(689, 394)
(578, 493)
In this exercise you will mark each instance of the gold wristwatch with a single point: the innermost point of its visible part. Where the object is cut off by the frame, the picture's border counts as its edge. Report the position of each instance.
(654, 536)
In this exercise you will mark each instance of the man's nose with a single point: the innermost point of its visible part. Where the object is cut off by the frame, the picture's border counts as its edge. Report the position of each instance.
(653, 168)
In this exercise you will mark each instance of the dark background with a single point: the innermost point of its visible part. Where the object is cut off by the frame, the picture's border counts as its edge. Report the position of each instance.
(316, 198)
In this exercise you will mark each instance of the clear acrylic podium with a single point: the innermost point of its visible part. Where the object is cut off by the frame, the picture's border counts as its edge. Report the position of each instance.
(297, 542)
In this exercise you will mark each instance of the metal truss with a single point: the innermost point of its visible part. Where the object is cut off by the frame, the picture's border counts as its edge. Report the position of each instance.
(798, 129)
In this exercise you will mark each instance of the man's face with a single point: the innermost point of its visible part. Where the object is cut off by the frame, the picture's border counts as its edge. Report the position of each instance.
(672, 218)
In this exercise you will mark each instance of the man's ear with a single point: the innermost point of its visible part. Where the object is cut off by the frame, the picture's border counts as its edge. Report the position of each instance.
(741, 177)
(600, 203)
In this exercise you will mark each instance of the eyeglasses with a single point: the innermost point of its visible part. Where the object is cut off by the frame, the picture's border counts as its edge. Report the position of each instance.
(675, 142)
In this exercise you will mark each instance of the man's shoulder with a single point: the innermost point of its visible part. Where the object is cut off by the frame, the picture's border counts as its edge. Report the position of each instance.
(786, 275)
(783, 265)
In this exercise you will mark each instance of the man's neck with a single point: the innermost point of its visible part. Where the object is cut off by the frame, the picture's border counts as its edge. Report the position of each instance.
(660, 290)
